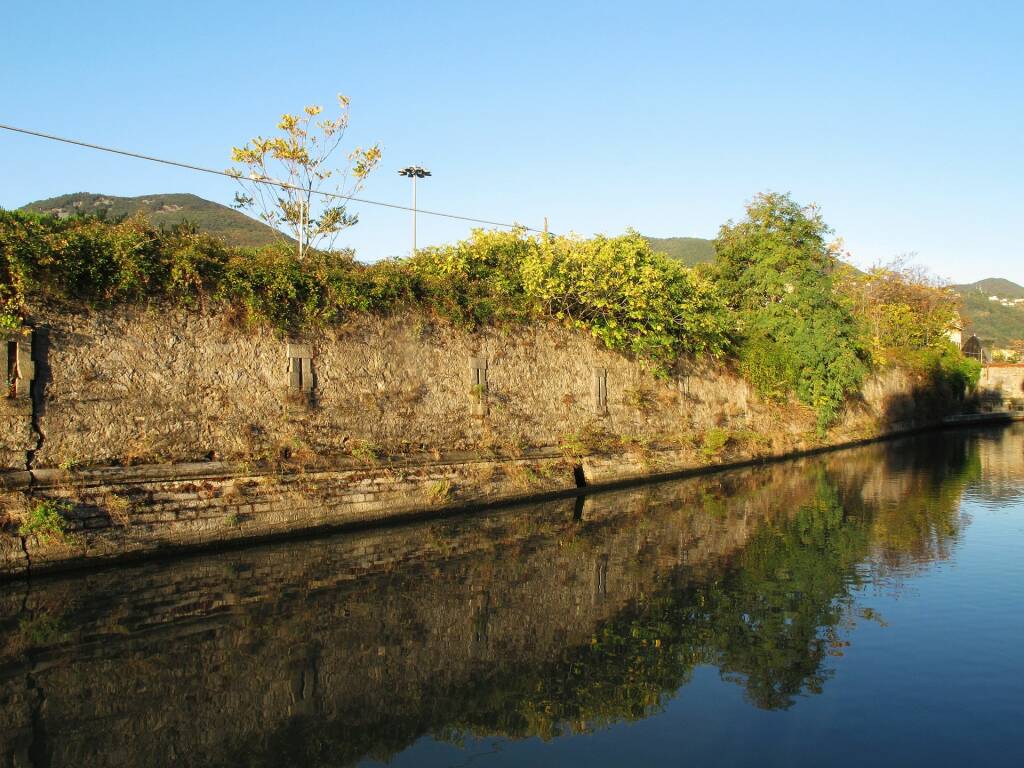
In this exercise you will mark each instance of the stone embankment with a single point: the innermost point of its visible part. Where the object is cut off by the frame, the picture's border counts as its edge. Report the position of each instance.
(154, 429)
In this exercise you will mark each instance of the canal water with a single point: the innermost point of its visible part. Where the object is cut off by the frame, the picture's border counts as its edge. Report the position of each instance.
(860, 607)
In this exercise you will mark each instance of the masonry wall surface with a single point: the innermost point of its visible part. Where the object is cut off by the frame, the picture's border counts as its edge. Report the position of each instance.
(161, 428)
(160, 385)
(1005, 382)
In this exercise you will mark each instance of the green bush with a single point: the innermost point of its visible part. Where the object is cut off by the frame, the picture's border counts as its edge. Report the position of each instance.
(616, 289)
(797, 332)
(46, 521)
(629, 297)
(715, 440)
(950, 375)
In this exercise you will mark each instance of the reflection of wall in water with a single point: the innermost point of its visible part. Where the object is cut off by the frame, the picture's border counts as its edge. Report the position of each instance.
(1002, 458)
(365, 629)
(382, 635)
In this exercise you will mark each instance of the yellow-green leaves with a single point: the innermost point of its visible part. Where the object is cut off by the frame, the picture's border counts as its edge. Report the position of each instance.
(283, 177)
(617, 289)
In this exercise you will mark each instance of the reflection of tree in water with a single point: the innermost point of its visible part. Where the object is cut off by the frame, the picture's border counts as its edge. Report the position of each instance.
(922, 524)
(769, 621)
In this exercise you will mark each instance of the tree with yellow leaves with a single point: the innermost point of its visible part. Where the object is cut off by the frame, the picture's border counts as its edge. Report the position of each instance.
(288, 182)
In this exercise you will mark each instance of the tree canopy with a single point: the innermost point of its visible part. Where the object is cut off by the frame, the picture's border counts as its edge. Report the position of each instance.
(776, 268)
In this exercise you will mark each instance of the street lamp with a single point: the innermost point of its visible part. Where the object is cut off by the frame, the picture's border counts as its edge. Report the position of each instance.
(414, 172)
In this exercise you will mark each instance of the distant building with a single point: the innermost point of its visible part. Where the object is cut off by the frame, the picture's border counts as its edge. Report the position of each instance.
(972, 348)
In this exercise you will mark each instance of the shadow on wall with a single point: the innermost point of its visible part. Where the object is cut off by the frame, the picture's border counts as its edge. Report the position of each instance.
(935, 395)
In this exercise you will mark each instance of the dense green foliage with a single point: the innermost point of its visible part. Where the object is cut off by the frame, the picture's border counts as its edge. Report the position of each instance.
(166, 211)
(905, 317)
(627, 296)
(797, 335)
(997, 325)
(617, 289)
(691, 251)
(901, 308)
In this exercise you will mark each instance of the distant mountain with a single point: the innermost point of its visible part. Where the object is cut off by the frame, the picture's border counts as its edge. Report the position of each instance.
(997, 321)
(689, 250)
(234, 227)
(994, 286)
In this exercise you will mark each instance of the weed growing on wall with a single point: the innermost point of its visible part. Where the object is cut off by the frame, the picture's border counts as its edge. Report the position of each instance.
(46, 521)
(715, 441)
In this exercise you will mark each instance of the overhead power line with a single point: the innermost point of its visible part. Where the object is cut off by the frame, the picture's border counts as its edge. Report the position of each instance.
(270, 182)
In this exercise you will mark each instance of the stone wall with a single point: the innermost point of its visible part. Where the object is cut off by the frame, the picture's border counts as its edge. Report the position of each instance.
(161, 428)
(160, 385)
(17, 370)
(1002, 387)
(120, 513)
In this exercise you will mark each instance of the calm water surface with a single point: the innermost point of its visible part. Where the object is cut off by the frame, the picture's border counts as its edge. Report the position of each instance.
(863, 607)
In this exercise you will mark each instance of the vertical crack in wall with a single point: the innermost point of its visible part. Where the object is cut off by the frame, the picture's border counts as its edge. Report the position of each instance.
(28, 557)
(30, 455)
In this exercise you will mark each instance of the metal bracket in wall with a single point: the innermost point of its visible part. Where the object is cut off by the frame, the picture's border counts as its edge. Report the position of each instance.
(683, 384)
(300, 366)
(478, 384)
(19, 368)
(601, 391)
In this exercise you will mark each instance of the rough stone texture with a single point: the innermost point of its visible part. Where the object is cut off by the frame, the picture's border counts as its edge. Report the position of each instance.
(161, 385)
(1002, 387)
(120, 514)
(17, 370)
(16, 435)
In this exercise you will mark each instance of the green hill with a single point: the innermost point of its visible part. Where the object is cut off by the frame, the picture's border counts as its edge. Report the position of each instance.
(232, 226)
(995, 323)
(689, 250)
(995, 286)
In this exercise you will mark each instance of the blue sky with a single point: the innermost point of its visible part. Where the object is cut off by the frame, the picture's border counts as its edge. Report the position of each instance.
(903, 120)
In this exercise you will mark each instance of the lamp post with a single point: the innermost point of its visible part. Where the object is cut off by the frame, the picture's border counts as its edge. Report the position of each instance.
(414, 172)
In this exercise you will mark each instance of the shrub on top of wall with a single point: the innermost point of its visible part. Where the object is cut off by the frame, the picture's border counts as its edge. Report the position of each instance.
(630, 298)
(617, 289)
